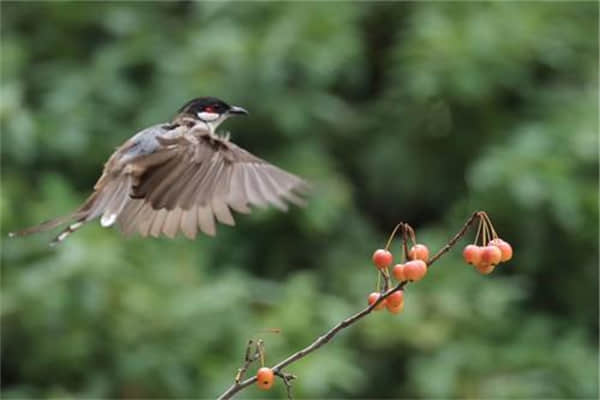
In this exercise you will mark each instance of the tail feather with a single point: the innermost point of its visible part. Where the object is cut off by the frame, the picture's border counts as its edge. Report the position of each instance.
(46, 225)
(107, 202)
(66, 232)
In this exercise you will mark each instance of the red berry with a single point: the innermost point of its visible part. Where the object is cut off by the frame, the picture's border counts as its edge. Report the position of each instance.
(382, 258)
(472, 254)
(490, 255)
(419, 252)
(395, 310)
(395, 299)
(398, 272)
(505, 248)
(415, 270)
(485, 269)
(373, 298)
(264, 378)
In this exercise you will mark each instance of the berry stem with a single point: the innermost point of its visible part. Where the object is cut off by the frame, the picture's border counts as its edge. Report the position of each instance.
(478, 231)
(260, 345)
(413, 237)
(405, 241)
(389, 242)
(489, 221)
(386, 279)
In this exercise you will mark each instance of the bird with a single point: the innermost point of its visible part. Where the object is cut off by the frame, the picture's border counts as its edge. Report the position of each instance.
(181, 176)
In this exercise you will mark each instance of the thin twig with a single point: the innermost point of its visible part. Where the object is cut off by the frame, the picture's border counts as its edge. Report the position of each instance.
(455, 239)
(330, 334)
(287, 381)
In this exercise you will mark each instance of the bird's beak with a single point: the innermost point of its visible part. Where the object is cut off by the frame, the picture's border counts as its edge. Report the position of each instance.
(238, 110)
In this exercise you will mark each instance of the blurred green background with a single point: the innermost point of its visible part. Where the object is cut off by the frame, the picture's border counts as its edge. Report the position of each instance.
(417, 112)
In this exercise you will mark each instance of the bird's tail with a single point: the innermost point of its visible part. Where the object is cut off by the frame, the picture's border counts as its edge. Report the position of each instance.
(107, 202)
(77, 219)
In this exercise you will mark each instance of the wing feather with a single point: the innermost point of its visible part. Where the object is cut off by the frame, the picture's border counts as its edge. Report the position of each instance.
(189, 194)
(236, 197)
(269, 189)
(206, 221)
(158, 221)
(144, 219)
(222, 213)
(172, 223)
(189, 223)
(128, 216)
(158, 195)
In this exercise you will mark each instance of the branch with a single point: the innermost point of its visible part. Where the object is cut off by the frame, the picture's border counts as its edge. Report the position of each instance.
(330, 334)
(456, 238)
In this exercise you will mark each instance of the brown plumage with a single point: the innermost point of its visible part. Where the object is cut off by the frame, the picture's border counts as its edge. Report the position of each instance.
(180, 177)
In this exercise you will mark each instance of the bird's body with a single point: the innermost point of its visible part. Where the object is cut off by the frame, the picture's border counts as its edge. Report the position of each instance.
(181, 176)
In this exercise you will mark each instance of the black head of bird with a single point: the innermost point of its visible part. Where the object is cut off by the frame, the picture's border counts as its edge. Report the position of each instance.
(181, 176)
(209, 110)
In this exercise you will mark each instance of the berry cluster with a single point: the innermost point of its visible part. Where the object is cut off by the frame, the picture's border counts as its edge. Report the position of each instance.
(413, 269)
(492, 250)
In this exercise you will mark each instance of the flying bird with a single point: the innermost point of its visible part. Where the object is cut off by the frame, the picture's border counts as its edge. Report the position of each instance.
(181, 176)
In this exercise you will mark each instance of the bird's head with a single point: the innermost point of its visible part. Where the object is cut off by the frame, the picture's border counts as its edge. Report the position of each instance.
(209, 110)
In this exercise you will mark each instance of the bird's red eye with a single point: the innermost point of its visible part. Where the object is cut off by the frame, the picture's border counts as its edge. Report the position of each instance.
(209, 109)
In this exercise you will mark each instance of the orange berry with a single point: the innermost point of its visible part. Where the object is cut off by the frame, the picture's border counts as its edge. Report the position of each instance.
(382, 258)
(505, 248)
(485, 269)
(395, 299)
(395, 310)
(373, 298)
(264, 378)
(415, 270)
(491, 255)
(472, 254)
(419, 252)
(398, 272)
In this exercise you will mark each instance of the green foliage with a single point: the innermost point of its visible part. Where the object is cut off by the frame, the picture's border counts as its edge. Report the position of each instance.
(421, 112)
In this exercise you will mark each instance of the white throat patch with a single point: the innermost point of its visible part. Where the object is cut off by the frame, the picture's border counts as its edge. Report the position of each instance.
(208, 116)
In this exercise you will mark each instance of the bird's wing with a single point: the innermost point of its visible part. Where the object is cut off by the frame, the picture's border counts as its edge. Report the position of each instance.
(202, 180)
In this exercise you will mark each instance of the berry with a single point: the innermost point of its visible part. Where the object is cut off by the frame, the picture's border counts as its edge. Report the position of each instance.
(264, 378)
(472, 254)
(415, 270)
(485, 269)
(395, 299)
(395, 310)
(373, 298)
(419, 252)
(382, 258)
(398, 272)
(490, 255)
(505, 248)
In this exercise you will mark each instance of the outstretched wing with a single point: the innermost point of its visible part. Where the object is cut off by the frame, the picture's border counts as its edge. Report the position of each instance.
(202, 180)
